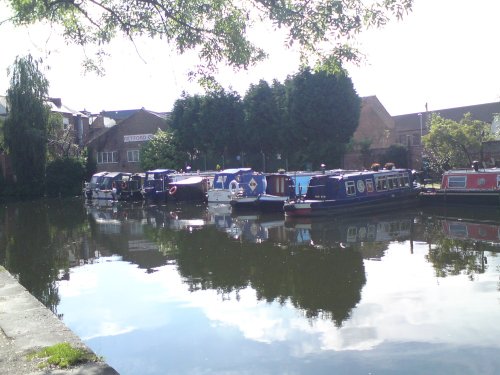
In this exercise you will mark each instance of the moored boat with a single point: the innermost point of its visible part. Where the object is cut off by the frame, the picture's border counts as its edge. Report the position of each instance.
(94, 183)
(474, 186)
(225, 184)
(356, 192)
(190, 189)
(105, 185)
(270, 197)
(247, 190)
(131, 187)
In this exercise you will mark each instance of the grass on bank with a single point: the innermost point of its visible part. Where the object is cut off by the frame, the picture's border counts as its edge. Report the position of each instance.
(63, 355)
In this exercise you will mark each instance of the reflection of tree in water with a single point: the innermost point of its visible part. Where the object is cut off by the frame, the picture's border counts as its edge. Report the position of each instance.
(324, 283)
(451, 256)
(38, 239)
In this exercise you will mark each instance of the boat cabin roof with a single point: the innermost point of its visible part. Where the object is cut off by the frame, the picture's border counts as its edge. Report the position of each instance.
(162, 171)
(100, 174)
(472, 171)
(235, 170)
(117, 174)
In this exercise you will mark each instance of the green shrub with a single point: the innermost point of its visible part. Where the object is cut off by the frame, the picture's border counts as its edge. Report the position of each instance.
(64, 177)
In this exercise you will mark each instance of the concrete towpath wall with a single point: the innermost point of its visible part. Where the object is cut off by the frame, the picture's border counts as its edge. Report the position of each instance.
(26, 326)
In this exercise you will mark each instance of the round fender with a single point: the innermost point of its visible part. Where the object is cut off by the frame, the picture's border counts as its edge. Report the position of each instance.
(173, 190)
(233, 186)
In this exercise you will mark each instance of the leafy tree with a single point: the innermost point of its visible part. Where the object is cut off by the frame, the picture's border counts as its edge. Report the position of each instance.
(161, 152)
(26, 125)
(217, 30)
(184, 122)
(65, 176)
(323, 113)
(262, 122)
(220, 124)
(454, 144)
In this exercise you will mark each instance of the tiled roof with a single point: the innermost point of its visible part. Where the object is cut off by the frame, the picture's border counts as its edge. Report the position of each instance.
(481, 112)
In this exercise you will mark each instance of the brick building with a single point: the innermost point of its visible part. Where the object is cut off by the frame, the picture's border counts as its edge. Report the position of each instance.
(115, 142)
(411, 127)
(375, 133)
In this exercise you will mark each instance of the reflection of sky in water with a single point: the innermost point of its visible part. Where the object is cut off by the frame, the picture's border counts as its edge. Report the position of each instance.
(407, 322)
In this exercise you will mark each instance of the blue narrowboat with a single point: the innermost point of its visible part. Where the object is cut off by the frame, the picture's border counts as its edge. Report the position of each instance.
(280, 188)
(366, 191)
(270, 195)
(225, 184)
(247, 190)
(157, 184)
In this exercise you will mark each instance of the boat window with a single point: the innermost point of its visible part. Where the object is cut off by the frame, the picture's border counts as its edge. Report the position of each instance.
(390, 182)
(395, 180)
(457, 182)
(406, 180)
(350, 188)
(369, 186)
(381, 183)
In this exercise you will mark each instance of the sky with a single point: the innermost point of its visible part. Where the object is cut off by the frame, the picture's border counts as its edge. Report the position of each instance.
(444, 54)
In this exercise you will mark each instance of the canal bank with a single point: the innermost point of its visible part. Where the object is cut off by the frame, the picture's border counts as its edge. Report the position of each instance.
(27, 326)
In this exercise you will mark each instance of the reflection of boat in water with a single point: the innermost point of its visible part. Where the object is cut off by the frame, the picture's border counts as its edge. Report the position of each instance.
(476, 231)
(353, 230)
(256, 228)
(181, 216)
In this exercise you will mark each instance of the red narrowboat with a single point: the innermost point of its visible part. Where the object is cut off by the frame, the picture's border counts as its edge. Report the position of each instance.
(467, 186)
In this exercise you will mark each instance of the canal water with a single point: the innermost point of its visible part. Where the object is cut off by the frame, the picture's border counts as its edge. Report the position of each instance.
(191, 289)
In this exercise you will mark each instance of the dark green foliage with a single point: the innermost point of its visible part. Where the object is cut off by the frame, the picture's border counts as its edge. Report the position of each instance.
(323, 113)
(161, 152)
(64, 177)
(261, 133)
(306, 121)
(26, 126)
(90, 163)
(209, 126)
(217, 30)
(397, 154)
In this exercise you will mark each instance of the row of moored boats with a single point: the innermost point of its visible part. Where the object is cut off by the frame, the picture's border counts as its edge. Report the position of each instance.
(299, 193)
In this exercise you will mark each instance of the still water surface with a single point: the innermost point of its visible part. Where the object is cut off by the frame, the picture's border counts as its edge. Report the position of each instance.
(195, 290)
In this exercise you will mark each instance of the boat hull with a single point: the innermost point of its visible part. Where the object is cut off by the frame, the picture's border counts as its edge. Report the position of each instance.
(262, 203)
(457, 197)
(389, 202)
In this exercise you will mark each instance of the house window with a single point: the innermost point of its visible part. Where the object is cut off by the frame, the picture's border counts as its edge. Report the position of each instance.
(350, 188)
(65, 123)
(107, 157)
(416, 140)
(457, 182)
(133, 156)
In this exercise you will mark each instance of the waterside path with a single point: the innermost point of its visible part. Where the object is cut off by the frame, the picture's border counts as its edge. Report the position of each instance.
(27, 326)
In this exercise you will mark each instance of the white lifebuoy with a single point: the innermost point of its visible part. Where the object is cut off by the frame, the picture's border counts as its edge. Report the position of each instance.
(173, 190)
(233, 186)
